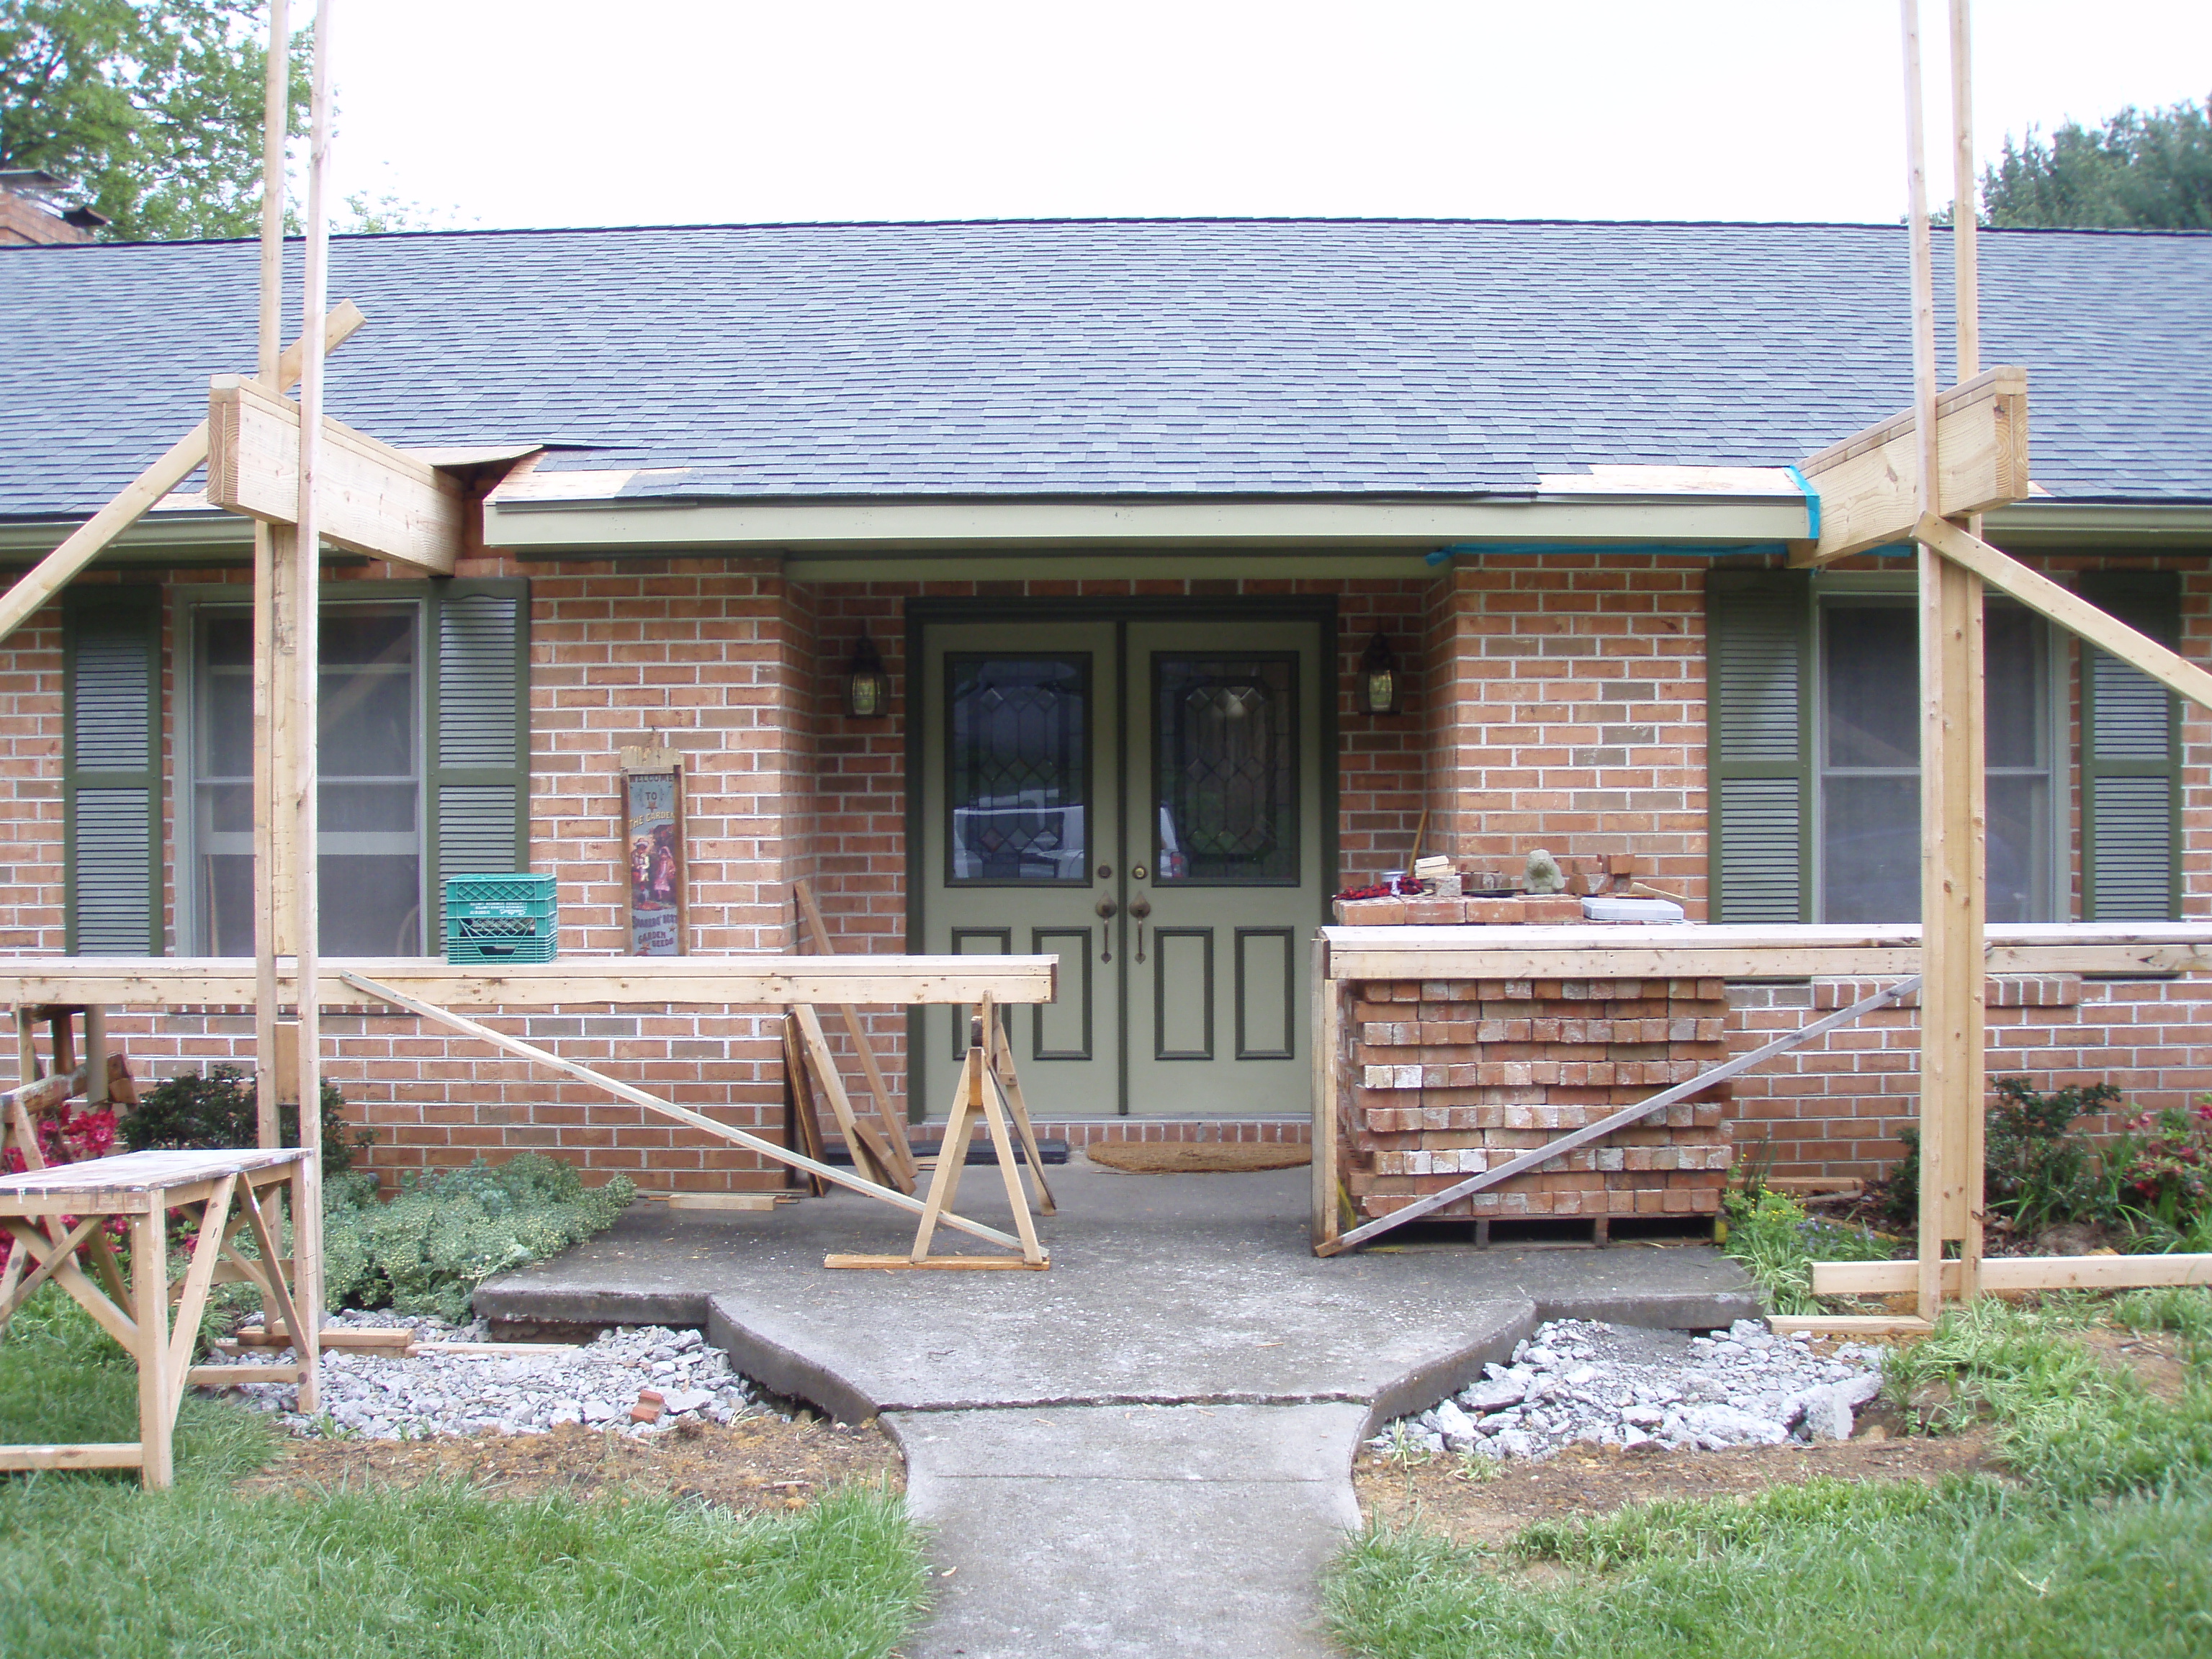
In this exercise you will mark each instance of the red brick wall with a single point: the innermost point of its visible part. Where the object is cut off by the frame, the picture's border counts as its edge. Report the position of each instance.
(1570, 710)
(1558, 700)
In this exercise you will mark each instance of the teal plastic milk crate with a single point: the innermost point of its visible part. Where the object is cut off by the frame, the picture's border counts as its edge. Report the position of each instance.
(502, 919)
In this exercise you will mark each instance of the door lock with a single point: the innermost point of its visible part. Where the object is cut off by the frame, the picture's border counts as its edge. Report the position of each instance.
(1139, 907)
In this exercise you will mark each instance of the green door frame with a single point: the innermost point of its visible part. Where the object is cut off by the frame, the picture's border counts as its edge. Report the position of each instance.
(920, 613)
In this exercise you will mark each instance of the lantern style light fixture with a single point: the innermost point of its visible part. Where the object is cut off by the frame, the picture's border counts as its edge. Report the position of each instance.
(864, 681)
(1378, 678)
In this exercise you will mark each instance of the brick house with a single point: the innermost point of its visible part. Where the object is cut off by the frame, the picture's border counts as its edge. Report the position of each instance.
(1121, 508)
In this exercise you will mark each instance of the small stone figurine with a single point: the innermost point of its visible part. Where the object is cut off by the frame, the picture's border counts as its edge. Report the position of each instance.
(1543, 874)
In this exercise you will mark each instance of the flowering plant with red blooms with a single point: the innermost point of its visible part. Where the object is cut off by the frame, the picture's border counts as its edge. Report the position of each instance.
(2165, 1161)
(66, 1138)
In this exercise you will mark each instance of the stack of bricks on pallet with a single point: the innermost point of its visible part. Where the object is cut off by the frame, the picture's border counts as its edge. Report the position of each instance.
(1452, 1077)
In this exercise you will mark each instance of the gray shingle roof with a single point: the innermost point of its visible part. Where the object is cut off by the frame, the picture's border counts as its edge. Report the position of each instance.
(1087, 358)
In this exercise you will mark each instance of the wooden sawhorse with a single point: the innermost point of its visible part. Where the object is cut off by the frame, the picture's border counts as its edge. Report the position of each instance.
(227, 1190)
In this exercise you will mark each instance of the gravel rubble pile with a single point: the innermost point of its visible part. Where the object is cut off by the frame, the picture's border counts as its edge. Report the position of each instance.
(1576, 1381)
(379, 1397)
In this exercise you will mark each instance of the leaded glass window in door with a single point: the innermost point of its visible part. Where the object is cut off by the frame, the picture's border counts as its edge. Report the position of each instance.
(1017, 768)
(1225, 743)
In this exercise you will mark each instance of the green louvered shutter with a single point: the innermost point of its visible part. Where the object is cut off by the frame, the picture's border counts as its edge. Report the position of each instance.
(2130, 760)
(111, 771)
(1758, 745)
(480, 773)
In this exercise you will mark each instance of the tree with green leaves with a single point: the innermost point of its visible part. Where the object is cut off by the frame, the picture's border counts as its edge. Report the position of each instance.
(152, 107)
(2142, 170)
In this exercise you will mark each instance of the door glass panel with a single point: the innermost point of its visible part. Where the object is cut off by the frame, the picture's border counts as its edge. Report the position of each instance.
(1017, 768)
(1225, 743)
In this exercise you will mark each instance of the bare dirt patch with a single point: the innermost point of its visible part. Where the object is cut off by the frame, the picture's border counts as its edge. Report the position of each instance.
(2154, 1356)
(759, 1463)
(1593, 1480)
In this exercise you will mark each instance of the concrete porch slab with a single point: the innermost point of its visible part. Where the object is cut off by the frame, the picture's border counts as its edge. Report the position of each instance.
(1183, 1288)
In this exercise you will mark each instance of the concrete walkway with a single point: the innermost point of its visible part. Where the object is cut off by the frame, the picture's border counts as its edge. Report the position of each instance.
(1146, 1450)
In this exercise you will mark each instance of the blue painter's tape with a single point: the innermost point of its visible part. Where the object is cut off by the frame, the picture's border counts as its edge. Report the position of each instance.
(1811, 504)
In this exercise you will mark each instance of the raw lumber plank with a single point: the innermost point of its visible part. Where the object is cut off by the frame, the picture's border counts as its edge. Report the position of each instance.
(805, 1118)
(1850, 1324)
(713, 982)
(357, 1337)
(622, 1090)
(1868, 483)
(871, 1071)
(2068, 610)
(52, 574)
(721, 1201)
(89, 1455)
(1328, 996)
(1012, 1263)
(862, 1140)
(373, 499)
(2019, 1273)
(1619, 1119)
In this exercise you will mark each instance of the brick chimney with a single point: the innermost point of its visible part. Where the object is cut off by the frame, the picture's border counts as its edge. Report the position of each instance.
(31, 216)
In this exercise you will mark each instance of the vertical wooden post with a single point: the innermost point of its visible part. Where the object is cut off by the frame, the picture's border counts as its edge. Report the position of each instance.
(305, 692)
(1966, 260)
(26, 1046)
(1325, 1017)
(272, 568)
(149, 1296)
(96, 1054)
(1950, 793)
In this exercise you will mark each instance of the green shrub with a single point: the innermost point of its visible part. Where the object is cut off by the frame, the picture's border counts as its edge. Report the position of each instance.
(2034, 1171)
(2161, 1167)
(218, 1108)
(427, 1249)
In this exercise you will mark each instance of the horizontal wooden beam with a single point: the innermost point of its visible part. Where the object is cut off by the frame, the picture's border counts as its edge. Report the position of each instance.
(1867, 485)
(1743, 953)
(711, 981)
(94, 1455)
(372, 499)
(2017, 1273)
(1848, 1325)
(53, 573)
(2068, 609)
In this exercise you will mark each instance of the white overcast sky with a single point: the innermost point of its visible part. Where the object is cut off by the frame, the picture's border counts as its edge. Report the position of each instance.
(528, 112)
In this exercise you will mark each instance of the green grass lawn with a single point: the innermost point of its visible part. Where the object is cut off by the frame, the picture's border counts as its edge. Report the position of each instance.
(2103, 1546)
(91, 1565)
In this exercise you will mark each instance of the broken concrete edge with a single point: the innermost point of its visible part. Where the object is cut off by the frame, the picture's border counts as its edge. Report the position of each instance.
(784, 1371)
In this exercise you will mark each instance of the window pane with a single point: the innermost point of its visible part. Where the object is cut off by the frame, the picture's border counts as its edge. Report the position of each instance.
(1872, 680)
(1226, 738)
(371, 907)
(2013, 694)
(1871, 846)
(1018, 767)
(2020, 848)
(371, 843)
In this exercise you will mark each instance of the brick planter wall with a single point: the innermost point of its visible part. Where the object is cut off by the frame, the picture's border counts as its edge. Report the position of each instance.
(1446, 1079)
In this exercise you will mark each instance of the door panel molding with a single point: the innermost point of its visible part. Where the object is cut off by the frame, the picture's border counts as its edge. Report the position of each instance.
(1284, 1023)
(1078, 984)
(1003, 946)
(1168, 943)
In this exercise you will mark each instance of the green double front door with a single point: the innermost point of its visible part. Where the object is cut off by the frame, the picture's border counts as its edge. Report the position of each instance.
(1143, 799)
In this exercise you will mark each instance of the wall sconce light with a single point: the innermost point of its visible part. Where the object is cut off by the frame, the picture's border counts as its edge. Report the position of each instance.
(864, 681)
(1378, 678)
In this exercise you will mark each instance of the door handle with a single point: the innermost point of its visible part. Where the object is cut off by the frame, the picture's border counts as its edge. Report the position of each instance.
(1107, 908)
(1139, 907)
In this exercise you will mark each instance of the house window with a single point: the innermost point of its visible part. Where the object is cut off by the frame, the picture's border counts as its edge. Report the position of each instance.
(1867, 781)
(370, 757)
(1813, 754)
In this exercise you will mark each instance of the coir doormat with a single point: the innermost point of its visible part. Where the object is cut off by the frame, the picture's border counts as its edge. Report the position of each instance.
(1197, 1156)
